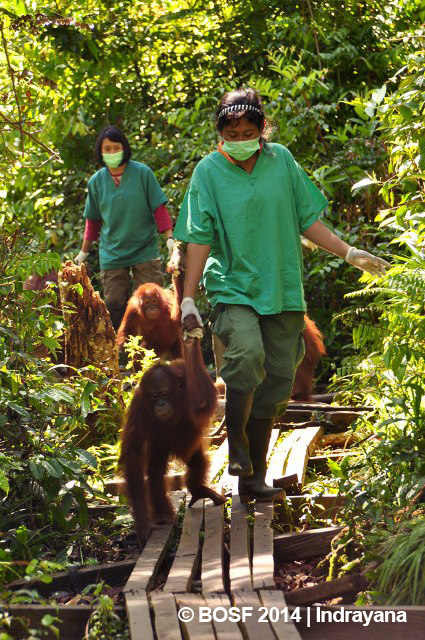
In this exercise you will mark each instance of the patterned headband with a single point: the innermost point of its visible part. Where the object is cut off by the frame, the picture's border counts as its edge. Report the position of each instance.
(239, 107)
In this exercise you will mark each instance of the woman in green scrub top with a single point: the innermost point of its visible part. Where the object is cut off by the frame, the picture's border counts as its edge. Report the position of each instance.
(246, 206)
(126, 205)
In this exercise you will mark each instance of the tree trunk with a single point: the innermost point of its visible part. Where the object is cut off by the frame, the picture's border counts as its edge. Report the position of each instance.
(89, 335)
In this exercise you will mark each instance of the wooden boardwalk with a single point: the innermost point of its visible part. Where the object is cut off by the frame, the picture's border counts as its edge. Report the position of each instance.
(223, 559)
(221, 583)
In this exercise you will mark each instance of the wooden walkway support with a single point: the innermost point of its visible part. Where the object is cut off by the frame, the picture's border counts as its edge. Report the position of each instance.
(300, 452)
(240, 566)
(283, 627)
(187, 554)
(142, 577)
(241, 574)
(212, 575)
(231, 557)
(167, 625)
(262, 557)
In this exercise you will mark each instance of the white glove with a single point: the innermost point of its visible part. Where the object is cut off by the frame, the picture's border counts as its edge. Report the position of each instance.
(366, 261)
(188, 308)
(170, 244)
(82, 256)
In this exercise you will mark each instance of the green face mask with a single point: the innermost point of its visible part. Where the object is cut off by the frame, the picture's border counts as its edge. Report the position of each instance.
(113, 160)
(241, 149)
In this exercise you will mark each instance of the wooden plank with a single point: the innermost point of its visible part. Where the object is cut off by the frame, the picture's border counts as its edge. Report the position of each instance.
(284, 629)
(239, 568)
(195, 629)
(149, 561)
(138, 613)
(312, 435)
(278, 462)
(136, 600)
(73, 619)
(167, 626)
(114, 574)
(300, 452)
(326, 398)
(305, 544)
(146, 567)
(226, 629)
(262, 558)
(324, 591)
(218, 460)
(342, 419)
(252, 628)
(212, 550)
(340, 440)
(187, 554)
(273, 439)
(325, 406)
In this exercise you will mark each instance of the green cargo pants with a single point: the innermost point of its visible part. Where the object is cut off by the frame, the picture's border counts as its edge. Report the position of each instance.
(261, 354)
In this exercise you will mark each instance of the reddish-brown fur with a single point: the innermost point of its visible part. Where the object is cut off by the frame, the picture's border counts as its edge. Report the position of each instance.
(154, 313)
(38, 283)
(168, 417)
(314, 350)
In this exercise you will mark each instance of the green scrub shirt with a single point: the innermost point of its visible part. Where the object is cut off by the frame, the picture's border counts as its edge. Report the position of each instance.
(253, 224)
(128, 234)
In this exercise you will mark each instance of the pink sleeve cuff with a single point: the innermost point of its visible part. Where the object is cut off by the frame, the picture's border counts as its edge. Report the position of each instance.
(92, 230)
(162, 219)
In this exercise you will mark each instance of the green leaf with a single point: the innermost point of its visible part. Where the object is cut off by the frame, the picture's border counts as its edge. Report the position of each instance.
(421, 145)
(405, 113)
(16, 6)
(85, 397)
(59, 395)
(51, 343)
(18, 409)
(87, 458)
(365, 182)
(48, 620)
(379, 94)
(50, 469)
(4, 484)
(36, 470)
(335, 468)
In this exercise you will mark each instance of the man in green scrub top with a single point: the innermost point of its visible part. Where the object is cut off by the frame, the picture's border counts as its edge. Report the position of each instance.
(246, 206)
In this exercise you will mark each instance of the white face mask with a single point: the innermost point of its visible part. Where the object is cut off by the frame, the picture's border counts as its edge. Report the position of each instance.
(241, 149)
(113, 160)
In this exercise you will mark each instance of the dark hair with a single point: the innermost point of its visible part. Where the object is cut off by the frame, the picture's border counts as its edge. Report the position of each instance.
(254, 112)
(116, 135)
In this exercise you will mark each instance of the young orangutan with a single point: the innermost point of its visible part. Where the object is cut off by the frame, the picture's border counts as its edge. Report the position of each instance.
(168, 417)
(154, 313)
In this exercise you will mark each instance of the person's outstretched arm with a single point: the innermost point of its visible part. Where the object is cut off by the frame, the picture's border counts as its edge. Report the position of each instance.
(327, 240)
(196, 257)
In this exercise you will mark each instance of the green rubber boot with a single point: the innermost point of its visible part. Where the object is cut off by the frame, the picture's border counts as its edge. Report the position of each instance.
(258, 431)
(238, 408)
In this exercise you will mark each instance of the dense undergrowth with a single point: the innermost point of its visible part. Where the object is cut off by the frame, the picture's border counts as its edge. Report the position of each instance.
(344, 85)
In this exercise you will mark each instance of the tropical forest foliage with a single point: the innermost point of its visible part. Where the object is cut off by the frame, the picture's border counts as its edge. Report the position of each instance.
(344, 87)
